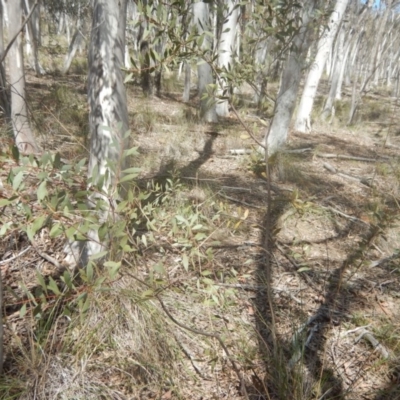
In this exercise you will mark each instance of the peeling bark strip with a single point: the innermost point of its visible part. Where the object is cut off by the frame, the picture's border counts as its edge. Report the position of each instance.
(108, 116)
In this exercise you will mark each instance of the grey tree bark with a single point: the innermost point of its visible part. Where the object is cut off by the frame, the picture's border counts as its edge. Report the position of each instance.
(4, 99)
(33, 38)
(76, 42)
(5, 106)
(336, 74)
(277, 133)
(23, 134)
(303, 120)
(108, 113)
(226, 47)
(204, 71)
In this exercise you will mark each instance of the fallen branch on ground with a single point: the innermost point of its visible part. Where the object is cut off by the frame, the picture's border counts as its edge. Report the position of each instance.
(365, 181)
(355, 158)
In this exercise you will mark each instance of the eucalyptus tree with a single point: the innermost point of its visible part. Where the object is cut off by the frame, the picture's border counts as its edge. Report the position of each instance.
(201, 16)
(108, 113)
(226, 48)
(24, 138)
(370, 52)
(276, 135)
(340, 58)
(78, 38)
(4, 99)
(303, 120)
(33, 35)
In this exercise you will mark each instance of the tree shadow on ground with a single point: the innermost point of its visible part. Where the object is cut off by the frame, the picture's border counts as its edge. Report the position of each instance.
(296, 367)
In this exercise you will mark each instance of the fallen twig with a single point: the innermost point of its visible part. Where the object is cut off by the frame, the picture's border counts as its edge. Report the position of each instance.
(259, 288)
(239, 201)
(331, 168)
(197, 332)
(374, 343)
(346, 157)
(4, 262)
(342, 214)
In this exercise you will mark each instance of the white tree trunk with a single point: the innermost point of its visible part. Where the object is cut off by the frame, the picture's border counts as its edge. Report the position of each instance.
(303, 120)
(204, 72)
(4, 100)
(226, 48)
(76, 42)
(335, 75)
(33, 38)
(23, 134)
(285, 103)
(108, 114)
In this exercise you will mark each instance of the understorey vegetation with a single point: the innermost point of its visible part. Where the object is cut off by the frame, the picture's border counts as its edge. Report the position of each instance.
(178, 223)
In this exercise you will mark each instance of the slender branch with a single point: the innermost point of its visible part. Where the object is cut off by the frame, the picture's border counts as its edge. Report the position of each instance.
(3, 56)
(4, 262)
(195, 331)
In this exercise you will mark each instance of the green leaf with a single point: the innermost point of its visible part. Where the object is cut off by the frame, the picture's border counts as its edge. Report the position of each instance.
(131, 152)
(159, 268)
(133, 170)
(147, 294)
(42, 191)
(67, 280)
(128, 78)
(113, 268)
(41, 281)
(17, 180)
(185, 262)
(200, 236)
(15, 153)
(53, 286)
(85, 305)
(129, 177)
(89, 271)
(98, 255)
(57, 161)
(22, 311)
(4, 228)
(303, 269)
(4, 202)
(56, 230)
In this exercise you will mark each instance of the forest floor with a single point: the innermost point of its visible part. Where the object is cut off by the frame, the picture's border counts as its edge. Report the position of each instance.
(330, 234)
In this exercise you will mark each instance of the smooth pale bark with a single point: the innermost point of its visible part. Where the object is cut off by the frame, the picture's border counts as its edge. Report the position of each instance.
(108, 113)
(33, 38)
(261, 77)
(377, 49)
(23, 134)
(337, 70)
(186, 22)
(76, 42)
(4, 100)
(338, 94)
(204, 72)
(303, 120)
(285, 103)
(226, 48)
